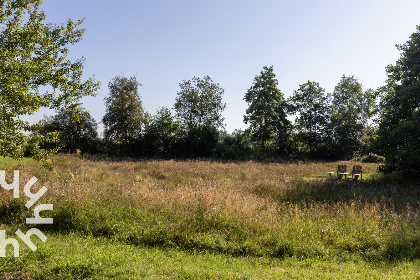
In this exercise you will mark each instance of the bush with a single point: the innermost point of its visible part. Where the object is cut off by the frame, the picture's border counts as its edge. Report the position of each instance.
(373, 158)
(234, 146)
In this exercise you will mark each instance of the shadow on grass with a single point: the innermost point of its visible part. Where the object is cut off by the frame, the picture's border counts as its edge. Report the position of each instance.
(392, 192)
(263, 160)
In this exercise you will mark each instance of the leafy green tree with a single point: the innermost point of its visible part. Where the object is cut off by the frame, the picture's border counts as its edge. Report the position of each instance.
(74, 132)
(199, 106)
(199, 103)
(312, 106)
(162, 133)
(399, 111)
(124, 111)
(350, 111)
(267, 112)
(33, 55)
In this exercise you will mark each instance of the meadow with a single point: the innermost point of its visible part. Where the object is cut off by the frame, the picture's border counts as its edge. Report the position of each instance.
(123, 219)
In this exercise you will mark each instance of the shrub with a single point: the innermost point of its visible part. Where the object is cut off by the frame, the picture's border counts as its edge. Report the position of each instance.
(373, 158)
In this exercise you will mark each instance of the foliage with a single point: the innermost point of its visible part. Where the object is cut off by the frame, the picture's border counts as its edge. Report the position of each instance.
(373, 158)
(124, 111)
(312, 122)
(350, 110)
(74, 132)
(199, 106)
(199, 142)
(266, 114)
(162, 134)
(199, 103)
(234, 146)
(399, 111)
(33, 55)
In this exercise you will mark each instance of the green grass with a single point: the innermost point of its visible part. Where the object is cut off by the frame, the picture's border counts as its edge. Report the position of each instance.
(8, 163)
(75, 256)
(210, 220)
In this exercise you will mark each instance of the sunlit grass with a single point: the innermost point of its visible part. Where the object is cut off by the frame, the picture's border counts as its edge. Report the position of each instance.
(76, 256)
(8, 163)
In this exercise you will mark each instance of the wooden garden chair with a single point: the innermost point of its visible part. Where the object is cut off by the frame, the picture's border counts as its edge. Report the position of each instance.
(357, 172)
(341, 170)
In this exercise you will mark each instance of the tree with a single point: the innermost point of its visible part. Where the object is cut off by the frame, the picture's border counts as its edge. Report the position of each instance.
(199, 103)
(267, 112)
(74, 132)
(199, 106)
(124, 111)
(33, 54)
(350, 112)
(161, 134)
(399, 111)
(312, 122)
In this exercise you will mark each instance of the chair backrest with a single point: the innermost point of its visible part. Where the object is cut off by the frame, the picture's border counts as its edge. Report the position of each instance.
(341, 168)
(357, 168)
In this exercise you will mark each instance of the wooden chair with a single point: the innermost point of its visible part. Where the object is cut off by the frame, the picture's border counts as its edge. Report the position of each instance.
(357, 172)
(341, 170)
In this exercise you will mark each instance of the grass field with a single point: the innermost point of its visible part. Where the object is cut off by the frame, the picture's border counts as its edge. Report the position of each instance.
(213, 220)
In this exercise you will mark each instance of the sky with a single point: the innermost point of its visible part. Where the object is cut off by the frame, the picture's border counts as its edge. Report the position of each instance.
(163, 42)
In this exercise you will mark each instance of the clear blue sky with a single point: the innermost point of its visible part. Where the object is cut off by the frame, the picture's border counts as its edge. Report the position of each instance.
(163, 42)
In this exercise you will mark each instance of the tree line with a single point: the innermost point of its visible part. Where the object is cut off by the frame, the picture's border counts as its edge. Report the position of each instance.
(327, 126)
(343, 124)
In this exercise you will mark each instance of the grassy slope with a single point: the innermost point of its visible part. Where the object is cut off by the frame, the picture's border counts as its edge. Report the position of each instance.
(200, 219)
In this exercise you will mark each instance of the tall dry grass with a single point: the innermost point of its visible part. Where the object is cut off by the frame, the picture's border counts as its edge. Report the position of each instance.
(267, 209)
